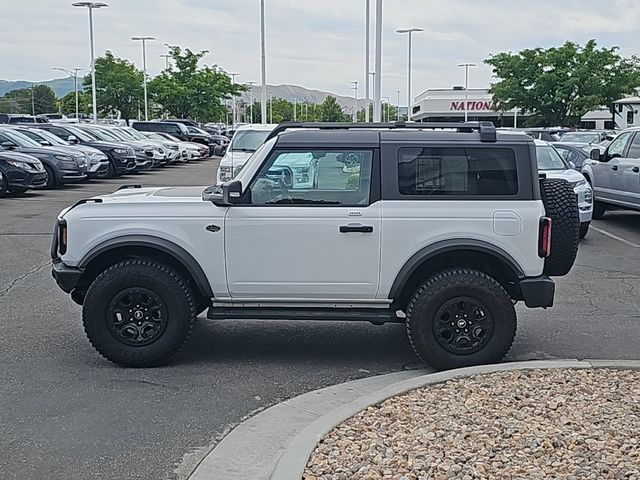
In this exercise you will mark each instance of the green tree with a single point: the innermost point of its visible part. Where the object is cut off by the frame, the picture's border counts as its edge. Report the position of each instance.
(283, 111)
(331, 111)
(68, 103)
(118, 86)
(560, 84)
(19, 101)
(187, 90)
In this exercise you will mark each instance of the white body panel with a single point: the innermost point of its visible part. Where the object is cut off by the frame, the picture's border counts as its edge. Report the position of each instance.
(418, 224)
(301, 253)
(177, 215)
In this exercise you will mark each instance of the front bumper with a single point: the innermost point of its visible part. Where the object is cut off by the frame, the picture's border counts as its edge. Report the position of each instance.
(537, 291)
(18, 178)
(66, 277)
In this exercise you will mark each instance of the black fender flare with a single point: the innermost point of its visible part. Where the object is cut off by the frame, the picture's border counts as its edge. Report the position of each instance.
(445, 246)
(155, 243)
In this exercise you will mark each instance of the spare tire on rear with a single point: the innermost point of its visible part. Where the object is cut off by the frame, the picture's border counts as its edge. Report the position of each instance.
(561, 204)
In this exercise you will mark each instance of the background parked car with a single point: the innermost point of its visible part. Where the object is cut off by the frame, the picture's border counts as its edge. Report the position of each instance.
(97, 162)
(553, 166)
(615, 173)
(61, 166)
(593, 137)
(122, 158)
(20, 172)
(14, 118)
(245, 141)
(194, 150)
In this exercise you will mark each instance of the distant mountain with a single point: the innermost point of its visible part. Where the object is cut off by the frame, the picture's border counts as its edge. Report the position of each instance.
(61, 86)
(301, 94)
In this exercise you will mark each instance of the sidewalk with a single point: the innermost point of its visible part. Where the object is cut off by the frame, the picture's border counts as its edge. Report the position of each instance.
(277, 443)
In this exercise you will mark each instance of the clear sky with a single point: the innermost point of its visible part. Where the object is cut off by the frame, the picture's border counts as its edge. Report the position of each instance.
(313, 43)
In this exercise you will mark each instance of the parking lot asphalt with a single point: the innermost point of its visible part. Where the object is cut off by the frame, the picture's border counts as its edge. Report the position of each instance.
(66, 413)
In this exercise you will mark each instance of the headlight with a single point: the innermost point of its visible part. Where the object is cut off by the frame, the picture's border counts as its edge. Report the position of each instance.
(120, 151)
(65, 158)
(21, 165)
(171, 146)
(301, 169)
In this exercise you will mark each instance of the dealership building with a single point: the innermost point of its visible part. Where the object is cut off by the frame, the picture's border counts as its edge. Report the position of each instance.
(448, 105)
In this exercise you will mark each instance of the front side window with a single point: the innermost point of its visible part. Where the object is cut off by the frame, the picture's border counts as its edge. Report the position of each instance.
(616, 149)
(634, 148)
(316, 177)
(457, 171)
(549, 158)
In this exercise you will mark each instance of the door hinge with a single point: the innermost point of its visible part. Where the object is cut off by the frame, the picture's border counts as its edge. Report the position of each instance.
(212, 228)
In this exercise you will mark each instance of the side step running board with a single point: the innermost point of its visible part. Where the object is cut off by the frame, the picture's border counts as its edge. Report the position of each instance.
(377, 316)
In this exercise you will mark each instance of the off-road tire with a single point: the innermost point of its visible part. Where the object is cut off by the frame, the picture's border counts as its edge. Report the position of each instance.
(599, 209)
(442, 288)
(584, 229)
(561, 205)
(156, 277)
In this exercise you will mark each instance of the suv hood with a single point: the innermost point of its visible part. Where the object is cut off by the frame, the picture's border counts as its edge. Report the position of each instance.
(19, 157)
(235, 157)
(47, 151)
(102, 144)
(569, 175)
(156, 194)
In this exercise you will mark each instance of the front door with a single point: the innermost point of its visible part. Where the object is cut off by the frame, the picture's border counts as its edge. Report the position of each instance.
(606, 174)
(308, 228)
(627, 180)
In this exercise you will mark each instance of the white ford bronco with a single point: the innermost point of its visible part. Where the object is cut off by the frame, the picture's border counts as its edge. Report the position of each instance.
(442, 227)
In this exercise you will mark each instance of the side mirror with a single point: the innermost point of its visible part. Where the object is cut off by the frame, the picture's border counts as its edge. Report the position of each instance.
(44, 143)
(572, 165)
(8, 145)
(72, 139)
(223, 195)
(595, 154)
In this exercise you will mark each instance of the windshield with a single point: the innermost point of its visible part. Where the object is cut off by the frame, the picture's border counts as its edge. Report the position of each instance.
(119, 134)
(196, 130)
(39, 135)
(549, 159)
(133, 133)
(155, 136)
(248, 140)
(103, 135)
(20, 139)
(81, 134)
(581, 137)
(169, 137)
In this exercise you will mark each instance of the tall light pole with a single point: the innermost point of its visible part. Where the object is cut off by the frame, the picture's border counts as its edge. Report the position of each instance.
(373, 79)
(377, 84)
(355, 101)
(295, 109)
(91, 6)
(144, 72)
(398, 106)
(72, 73)
(263, 60)
(409, 31)
(386, 107)
(270, 107)
(233, 99)
(251, 84)
(366, 58)
(466, 87)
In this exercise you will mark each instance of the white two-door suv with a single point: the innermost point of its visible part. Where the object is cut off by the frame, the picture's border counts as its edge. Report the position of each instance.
(442, 230)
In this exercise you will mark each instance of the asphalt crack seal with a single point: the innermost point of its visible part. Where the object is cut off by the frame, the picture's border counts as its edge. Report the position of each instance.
(13, 283)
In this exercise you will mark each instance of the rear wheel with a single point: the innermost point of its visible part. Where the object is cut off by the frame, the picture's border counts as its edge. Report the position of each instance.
(460, 318)
(139, 313)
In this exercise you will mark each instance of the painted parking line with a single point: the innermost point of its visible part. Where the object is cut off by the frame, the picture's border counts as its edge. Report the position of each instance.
(615, 237)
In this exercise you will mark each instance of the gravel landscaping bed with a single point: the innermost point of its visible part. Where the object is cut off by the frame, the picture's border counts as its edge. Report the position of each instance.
(526, 424)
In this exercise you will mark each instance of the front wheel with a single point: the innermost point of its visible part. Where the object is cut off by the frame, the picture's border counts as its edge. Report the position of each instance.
(460, 318)
(50, 181)
(584, 229)
(139, 313)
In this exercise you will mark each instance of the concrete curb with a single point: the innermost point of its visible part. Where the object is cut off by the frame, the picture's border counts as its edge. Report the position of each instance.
(277, 443)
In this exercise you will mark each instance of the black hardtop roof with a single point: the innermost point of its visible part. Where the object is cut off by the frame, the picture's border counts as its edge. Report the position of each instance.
(371, 134)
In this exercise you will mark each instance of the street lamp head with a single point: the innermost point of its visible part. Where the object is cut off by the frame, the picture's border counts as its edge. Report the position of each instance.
(143, 38)
(409, 30)
(90, 4)
(467, 65)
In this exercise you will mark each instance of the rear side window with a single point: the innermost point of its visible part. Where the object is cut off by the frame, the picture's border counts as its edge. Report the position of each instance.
(457, 171)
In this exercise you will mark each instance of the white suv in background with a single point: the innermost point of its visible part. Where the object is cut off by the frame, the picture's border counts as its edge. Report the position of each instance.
(245, 141)
(551, 163)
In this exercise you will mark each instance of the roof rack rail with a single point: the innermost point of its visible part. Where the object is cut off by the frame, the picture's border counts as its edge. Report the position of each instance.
(486, 130)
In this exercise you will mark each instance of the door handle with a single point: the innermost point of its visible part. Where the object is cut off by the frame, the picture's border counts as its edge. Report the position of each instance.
(636, 169)
(353, 228)
(614, 167)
